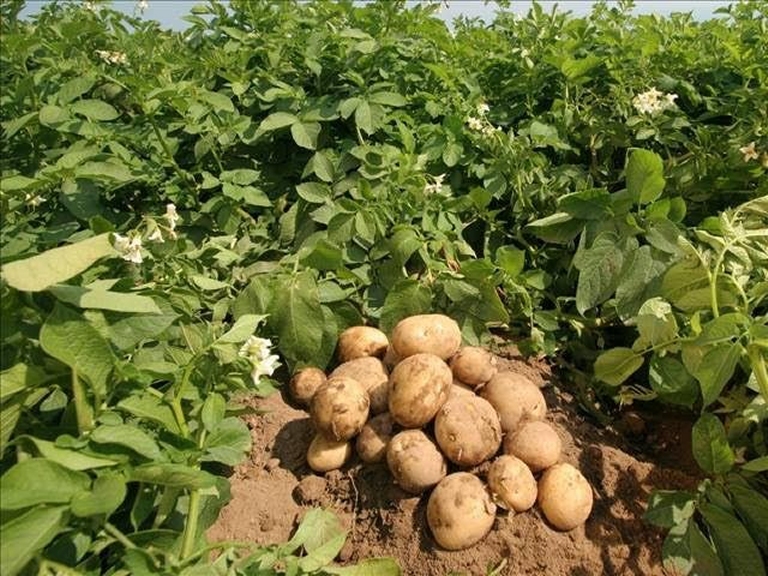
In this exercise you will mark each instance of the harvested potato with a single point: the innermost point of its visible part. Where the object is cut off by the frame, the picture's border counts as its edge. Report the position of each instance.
(391, 359)
(460, 511)
(536, 443)
(512, 484)
(426, 333)
(473, 365)
(468, 430)
(515, 398)
(418, 387)
(361, 341)
(458, 388)
(325, 454)
(565, 496)
(339, 408)
(305, 383)
(372, 374)
(415, 461)
(374, 438)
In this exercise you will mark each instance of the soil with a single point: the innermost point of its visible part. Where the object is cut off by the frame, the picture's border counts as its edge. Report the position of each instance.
(623, 463)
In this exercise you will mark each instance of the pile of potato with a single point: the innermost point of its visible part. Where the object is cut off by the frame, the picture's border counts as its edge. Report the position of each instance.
(424, 403)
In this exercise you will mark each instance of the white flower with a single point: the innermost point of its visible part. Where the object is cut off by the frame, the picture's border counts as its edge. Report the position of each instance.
(474, 123)
(171, 215)
(34, 201)
(155, 236)
(129, 247)
(110, 57)
(142, 5)
(90, 5)
(257, 350)
(436, 186)
(749, 152)
(652, 102)
(483, 108)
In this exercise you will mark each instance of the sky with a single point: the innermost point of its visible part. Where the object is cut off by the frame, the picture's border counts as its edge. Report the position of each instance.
(170, 12)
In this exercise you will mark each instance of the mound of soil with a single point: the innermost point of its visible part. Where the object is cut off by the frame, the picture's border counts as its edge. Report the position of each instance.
(275, 487)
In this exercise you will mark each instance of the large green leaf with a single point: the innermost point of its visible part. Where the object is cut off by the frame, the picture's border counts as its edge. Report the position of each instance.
(645, 176)
(40, 481)
(687, 551)
(407, 298)
(172, 475)
(668, 508)
(105, 299)
(130, 437)
(614, 366)
(367, 567)
(710, 445)
(297, 318)
(67, 457)
(715, 369)
(229, 442)
(305, 134)
(671, 381)
(752, 507)
(26, 535)
(152, 408)
(736, 549)
(599, 271)
(94, 110)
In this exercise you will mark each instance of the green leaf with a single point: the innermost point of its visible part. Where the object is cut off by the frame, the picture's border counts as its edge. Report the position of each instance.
(752, 507)
(645, 176)
(218, 101)
(26, 535)
(75, 88)
(206, 283)
(757, 465)
(683, 279)
(53, 116)
(173, 475)
(710, 445)
(616, 365)
(321, 166)
(558, 228)
(715, 369)
(129, 437)
(364, 118)
(69, 458)
(95, 110)
(668, 508)
(228, 443)
(314, 192)
(592, 204)
(17, 182)
(150, 407)
(735, 547)
(104, 299)
(107, 493)
(599, 272)
(687, 551)
(213, 411)
(640, 278)
(324, 255)
(40, 481)
(305, 134)
(388, 99)
(403, 243)
(128, 332)
(317, 528)
(19, 377)
(243, 328)
(323, 554)
(241, 176)
(9, 417)
(724, 328)
(297, 318)
(655, 323)
(406, 298)
(110, 171)
(277, 120)
(68, 337)
(671, 381)
(511, 260)
(367, 567)
(56, 265)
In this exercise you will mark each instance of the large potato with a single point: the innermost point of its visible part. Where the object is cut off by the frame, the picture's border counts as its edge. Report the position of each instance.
(426, 333)
(565, 496)
(415, 461)
(468, 430)
(325, 454)
(536, 443)
(515, 398)
(305, 383)
(512, 483)
(372, 374)
(374, 438)
(473, 365)
(361, 341)
(418, 387)
(460, 511)
(339, 408)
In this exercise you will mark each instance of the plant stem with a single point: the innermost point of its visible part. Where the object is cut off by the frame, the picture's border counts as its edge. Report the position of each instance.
(190, 526)
(757, 362)
(168, 153)
(119, 536)
(82, 410)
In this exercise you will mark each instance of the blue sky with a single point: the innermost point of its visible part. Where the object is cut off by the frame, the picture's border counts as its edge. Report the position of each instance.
(169, 12)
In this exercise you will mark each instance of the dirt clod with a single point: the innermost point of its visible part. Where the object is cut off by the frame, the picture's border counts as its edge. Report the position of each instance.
(310, 489)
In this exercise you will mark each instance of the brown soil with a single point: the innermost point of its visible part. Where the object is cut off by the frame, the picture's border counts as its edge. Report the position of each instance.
(275, 487)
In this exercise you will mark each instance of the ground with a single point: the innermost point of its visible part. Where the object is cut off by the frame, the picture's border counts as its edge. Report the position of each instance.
(623, 463)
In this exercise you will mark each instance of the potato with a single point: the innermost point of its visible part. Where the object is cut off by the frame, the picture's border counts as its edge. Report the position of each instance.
(374, 438)
(458, 388)
(468, 430)
(426, 333)
(372, 374)
(512, 484)
(339, 408)
(391, 359)
(415, 461)
(473, 365)
(535, 443)
(418, 387)
(565, 496)
(325, 454)
(515, 398)
(361, 341)
(305, 383)
(460, 511)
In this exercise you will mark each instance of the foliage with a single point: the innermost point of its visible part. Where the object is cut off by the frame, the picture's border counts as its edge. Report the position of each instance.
(293, 168)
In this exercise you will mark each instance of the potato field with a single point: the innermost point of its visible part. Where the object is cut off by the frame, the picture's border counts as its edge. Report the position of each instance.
(335, 288)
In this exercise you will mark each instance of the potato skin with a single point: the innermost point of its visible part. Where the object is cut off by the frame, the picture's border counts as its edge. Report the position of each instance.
(372, 442)
(426, 333)
(361, 341)
(536, 443)
(339, 408)
(512, 484)
(371, 373)
(414, 461)
(325, 454)
(460, 511)
(565, 496)
(515, 398)
(473, 365)
(305, 383)
(458, 388)
(468, 430)
(418, 386)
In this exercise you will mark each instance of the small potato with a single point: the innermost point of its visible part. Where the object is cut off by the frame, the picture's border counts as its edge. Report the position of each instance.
(415, 461)
(458, 388)
(473, 365)
(512, 484)
(426, 333)
(372, 374)
(374, 438)
(460, 511)
(339, 408)
(468, 430)
(418, 387)
(305, 383)
(515, 398)
(361, 341)
(565, 496)
(325, 454)
(536, 443)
